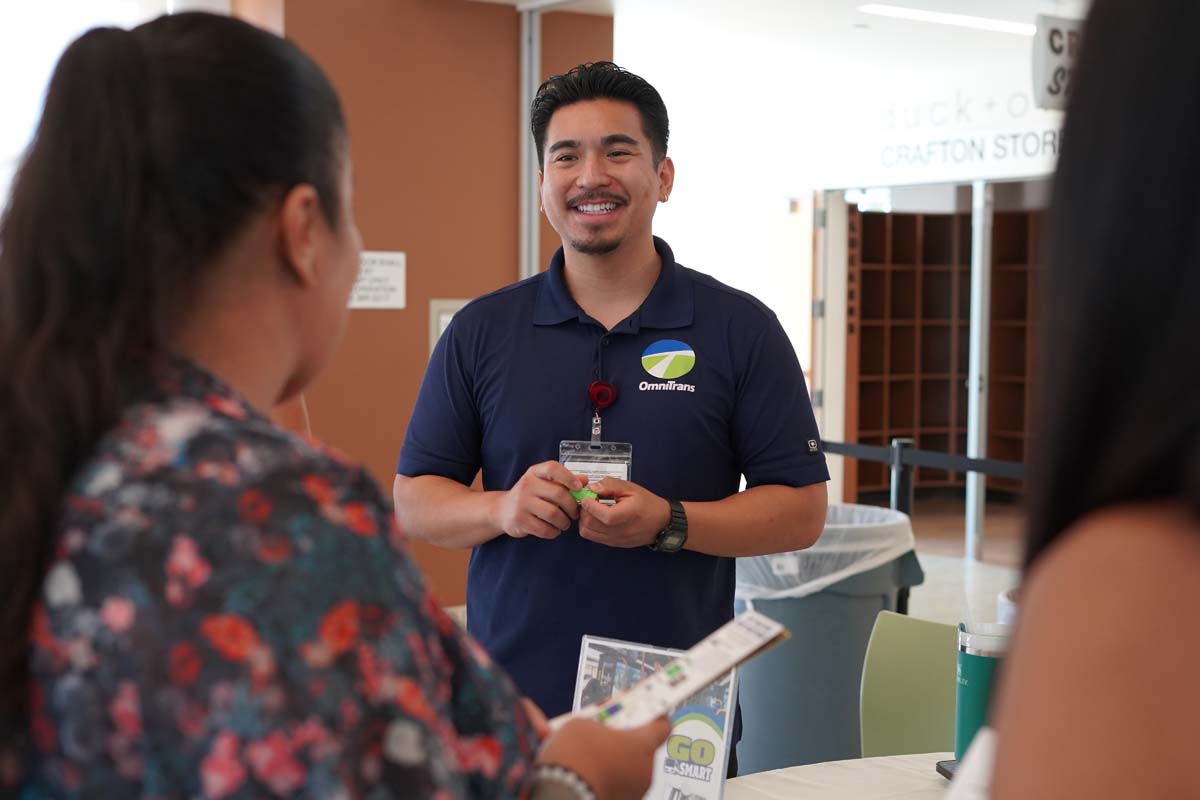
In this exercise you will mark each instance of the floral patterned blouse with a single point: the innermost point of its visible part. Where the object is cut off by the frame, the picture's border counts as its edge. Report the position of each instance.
(232, 613)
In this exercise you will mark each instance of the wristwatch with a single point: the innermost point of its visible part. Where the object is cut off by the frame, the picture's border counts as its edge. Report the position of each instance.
(672, 538)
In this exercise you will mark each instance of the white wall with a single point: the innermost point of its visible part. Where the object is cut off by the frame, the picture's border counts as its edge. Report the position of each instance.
(33, 36)
(772, 99)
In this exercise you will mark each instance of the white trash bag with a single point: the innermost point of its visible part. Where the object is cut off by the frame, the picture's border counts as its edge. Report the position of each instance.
(856, 538)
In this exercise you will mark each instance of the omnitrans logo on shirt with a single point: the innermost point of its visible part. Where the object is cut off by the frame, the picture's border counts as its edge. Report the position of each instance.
(668, 359)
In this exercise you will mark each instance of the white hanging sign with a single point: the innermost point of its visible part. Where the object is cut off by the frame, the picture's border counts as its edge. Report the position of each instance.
(381, 280)
(1055, 48)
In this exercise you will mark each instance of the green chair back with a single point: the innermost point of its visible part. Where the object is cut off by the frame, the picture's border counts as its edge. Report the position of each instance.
(908, 686)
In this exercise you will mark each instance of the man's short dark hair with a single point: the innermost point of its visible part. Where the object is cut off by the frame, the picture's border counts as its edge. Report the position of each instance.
(594, 81)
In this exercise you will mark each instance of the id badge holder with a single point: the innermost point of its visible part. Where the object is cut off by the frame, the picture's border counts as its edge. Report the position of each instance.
(596, 460)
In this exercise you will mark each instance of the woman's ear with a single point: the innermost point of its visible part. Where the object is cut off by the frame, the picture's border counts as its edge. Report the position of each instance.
(300, 222)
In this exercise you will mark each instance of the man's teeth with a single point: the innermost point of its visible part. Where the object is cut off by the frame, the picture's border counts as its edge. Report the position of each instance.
(596, 208)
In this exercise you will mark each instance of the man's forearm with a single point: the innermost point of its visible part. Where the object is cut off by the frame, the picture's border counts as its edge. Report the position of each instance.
(758, 521)
(443, 512)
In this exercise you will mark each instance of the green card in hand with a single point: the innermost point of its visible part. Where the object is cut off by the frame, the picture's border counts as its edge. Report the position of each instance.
(582, 493)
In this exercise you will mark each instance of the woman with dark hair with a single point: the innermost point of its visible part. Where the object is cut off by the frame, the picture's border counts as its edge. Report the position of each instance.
(214, 608)
(1100, 697)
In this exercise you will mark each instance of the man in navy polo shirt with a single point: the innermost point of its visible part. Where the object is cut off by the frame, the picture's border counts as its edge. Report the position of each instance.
(707, 389)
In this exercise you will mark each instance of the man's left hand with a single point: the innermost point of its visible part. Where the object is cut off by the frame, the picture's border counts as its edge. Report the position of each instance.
(635, 520)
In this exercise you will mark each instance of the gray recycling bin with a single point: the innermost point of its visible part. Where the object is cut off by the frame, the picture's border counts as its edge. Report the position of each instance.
(800, 701)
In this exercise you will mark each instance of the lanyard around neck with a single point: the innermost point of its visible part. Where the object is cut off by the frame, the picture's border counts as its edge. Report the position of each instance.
(602, 394)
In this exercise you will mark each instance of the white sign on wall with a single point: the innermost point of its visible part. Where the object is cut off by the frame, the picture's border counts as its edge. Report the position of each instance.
(1055, 48)
(441, 311)
(381, 280)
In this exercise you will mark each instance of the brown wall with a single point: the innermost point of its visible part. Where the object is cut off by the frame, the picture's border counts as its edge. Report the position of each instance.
(430, 90)
(263, 13)
(568, 40)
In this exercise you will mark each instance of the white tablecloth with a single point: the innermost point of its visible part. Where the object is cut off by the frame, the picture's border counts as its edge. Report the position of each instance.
(888, 778)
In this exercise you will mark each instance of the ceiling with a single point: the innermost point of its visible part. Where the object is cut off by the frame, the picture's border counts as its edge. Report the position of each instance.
(847, 10)
(603, 8)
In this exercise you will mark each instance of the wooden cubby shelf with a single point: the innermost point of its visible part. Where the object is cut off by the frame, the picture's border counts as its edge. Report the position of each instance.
(909, 335)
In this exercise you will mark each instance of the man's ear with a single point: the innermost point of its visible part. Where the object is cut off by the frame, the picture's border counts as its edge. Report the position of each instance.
(666, 178)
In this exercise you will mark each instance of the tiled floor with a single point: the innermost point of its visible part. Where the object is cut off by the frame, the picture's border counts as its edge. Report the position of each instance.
(956, 590)
(939, 527)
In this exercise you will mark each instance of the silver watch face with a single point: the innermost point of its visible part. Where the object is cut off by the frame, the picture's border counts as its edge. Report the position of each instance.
(671, 541)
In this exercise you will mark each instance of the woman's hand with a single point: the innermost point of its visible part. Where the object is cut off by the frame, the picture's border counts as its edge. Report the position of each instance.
(615, 763)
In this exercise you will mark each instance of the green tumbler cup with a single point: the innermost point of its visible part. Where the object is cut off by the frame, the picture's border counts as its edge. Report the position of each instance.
(980, 648)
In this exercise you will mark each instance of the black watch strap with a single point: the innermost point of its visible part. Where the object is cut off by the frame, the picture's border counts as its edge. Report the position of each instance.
(672, 538)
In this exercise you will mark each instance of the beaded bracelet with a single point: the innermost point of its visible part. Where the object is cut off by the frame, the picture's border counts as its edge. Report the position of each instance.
(561, 776)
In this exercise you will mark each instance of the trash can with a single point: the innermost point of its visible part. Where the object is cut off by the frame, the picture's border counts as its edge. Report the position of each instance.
(800, 701)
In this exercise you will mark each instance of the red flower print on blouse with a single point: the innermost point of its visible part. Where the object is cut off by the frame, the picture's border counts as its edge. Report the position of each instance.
(231, 636)
(186, 571)
(118, 614)
(183, 664)
(43, 637)
(274, 548)
(372, 675)
(45, 735)
(146, 437)
(375, 620)
(222, 772)
(337, 633)
(318, 489)
(314, 736)
(413, 700)
(126, 710)
(186, 563)
(274, 765)
(228, 406)
(359, 520)
(339, 628)
(195, 548)
(254, 506)
(480, 754)
(420, 652)
(219, 471)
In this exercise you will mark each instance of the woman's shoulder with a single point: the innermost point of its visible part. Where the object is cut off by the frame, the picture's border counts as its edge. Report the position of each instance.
(1122, 575)
(1151, 547)
(1098, 694)
(214, 439)
(212, 476)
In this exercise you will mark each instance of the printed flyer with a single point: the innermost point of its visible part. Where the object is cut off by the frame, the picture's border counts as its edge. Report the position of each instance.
(692, 763)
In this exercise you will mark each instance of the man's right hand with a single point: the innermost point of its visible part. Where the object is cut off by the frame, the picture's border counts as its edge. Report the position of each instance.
(540, 503)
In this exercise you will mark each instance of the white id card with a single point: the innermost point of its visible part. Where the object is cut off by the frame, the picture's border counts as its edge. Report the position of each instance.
(597, 460)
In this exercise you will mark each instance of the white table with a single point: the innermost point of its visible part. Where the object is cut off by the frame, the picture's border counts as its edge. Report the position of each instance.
(888, 778)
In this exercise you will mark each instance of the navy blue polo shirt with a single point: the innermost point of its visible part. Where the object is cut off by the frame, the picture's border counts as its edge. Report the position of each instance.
(508, 382)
